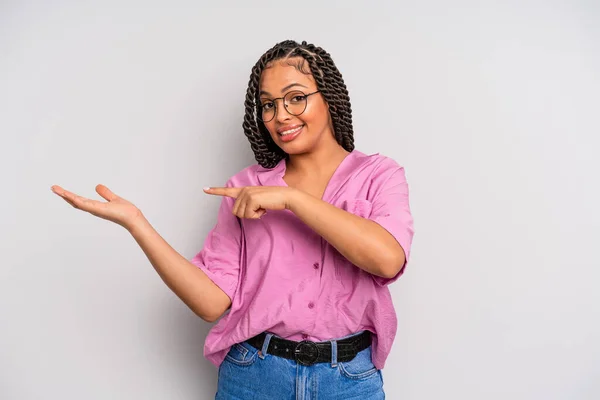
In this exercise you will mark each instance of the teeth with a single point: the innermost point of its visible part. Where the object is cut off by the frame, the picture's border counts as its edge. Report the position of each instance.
(291, 131)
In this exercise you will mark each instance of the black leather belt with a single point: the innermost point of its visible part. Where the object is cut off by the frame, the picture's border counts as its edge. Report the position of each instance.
(308, 353)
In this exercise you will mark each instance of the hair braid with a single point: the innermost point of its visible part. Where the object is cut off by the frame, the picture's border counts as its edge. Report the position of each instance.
(329, 82)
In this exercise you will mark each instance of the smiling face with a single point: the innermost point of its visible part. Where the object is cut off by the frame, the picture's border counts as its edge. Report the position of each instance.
(294, 134)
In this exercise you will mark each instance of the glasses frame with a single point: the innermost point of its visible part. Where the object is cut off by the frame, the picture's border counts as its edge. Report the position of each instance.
(285, 106)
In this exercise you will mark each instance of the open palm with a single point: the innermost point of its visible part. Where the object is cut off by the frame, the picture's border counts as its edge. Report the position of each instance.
(115, 209)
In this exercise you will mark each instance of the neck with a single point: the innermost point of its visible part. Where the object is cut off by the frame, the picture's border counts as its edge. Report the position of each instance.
(322, 160)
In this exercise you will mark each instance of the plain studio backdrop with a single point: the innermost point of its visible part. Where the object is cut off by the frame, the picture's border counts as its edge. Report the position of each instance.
(492, 108)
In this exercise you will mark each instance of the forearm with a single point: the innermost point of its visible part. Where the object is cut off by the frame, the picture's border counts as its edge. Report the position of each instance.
(363, 242)
(186, 280)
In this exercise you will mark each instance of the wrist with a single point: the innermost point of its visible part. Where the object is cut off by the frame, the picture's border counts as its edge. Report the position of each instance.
(293, 199)
(136, 224)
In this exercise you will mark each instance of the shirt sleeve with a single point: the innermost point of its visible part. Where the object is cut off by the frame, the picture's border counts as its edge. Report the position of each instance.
(220, 255)
(391, 210)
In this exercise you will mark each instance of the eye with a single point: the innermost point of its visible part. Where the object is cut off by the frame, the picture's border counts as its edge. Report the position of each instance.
(298, 98)
(267, 105)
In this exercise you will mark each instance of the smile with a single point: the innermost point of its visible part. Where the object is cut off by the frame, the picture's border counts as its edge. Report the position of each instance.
(290, 134)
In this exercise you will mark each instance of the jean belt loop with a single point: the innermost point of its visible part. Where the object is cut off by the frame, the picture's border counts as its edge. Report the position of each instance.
(265, 346)
(334, 361)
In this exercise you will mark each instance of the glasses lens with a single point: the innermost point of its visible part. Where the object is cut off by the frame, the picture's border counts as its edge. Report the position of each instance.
(295, 102)
(267, 110)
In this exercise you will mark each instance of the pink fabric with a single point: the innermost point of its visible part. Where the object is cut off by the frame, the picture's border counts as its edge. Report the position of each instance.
(284, 278)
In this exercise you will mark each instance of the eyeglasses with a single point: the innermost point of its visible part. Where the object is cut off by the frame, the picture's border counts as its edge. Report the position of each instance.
(294, 103)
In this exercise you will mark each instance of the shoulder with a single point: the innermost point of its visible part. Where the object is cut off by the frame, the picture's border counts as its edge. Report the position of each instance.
(245, 177)
(376, 163)
(257, 175)
(377, 173)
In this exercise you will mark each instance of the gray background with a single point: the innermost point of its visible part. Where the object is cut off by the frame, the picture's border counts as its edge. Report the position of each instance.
(492, 107)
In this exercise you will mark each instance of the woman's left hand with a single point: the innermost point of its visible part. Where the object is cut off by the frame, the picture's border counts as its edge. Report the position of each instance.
(252, 202)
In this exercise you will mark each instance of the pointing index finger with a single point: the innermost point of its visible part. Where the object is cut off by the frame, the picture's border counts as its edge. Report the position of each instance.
(232, 192)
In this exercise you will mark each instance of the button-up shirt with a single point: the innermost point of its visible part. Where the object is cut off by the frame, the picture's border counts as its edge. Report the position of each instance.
(284, 278)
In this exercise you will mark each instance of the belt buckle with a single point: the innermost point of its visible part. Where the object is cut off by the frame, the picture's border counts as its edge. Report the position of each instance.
(306, 352)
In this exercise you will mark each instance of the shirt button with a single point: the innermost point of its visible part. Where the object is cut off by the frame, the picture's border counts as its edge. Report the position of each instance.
(311, 305)
(316, 265)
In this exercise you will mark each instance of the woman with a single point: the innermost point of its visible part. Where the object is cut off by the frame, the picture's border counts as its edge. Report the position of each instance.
(306, 242)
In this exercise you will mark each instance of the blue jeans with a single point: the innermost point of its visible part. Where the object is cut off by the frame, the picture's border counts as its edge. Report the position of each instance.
(247, 373)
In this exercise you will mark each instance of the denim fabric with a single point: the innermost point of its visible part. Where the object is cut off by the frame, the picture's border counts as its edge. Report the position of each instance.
(247, 373)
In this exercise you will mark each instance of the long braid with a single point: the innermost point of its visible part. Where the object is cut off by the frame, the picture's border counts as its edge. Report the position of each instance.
(329, 82)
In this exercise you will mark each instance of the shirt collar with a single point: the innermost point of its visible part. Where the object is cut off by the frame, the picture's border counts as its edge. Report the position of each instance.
(353, 161)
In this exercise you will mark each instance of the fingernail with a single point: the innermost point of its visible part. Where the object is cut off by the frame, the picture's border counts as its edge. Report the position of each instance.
(206, 188)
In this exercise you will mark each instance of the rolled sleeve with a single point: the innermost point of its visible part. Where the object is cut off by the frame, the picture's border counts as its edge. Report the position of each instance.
(220, 255)
(391, 210)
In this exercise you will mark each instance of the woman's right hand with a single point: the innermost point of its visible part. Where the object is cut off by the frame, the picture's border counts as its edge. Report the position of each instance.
(115, 209)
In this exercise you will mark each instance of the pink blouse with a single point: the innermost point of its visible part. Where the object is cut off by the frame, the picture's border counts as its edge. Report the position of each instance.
(284, 278)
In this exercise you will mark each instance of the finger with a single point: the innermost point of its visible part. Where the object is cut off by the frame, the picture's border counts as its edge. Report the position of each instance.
(91, 206)
(94, 207)
(70, 202)
(57, 189)
(254, 211)
(252, 214)
(221, 191)
(106, 193)
(65, 194)
(61, 192)
(250, 210)
(239, 206)
(242, 211)
(240, 203)
(260, 213)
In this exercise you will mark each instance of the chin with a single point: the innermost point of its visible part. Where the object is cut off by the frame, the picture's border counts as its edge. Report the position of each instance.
(295, 148)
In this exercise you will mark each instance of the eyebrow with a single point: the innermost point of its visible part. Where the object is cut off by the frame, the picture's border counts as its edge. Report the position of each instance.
(284, 89)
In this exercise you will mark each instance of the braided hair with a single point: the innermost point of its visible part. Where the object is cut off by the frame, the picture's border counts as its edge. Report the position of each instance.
(329, 82)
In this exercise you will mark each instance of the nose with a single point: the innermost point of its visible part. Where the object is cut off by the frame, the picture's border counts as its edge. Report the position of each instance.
(281, 113)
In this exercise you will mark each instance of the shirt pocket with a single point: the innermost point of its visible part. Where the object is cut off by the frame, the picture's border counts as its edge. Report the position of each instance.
(359, 207)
